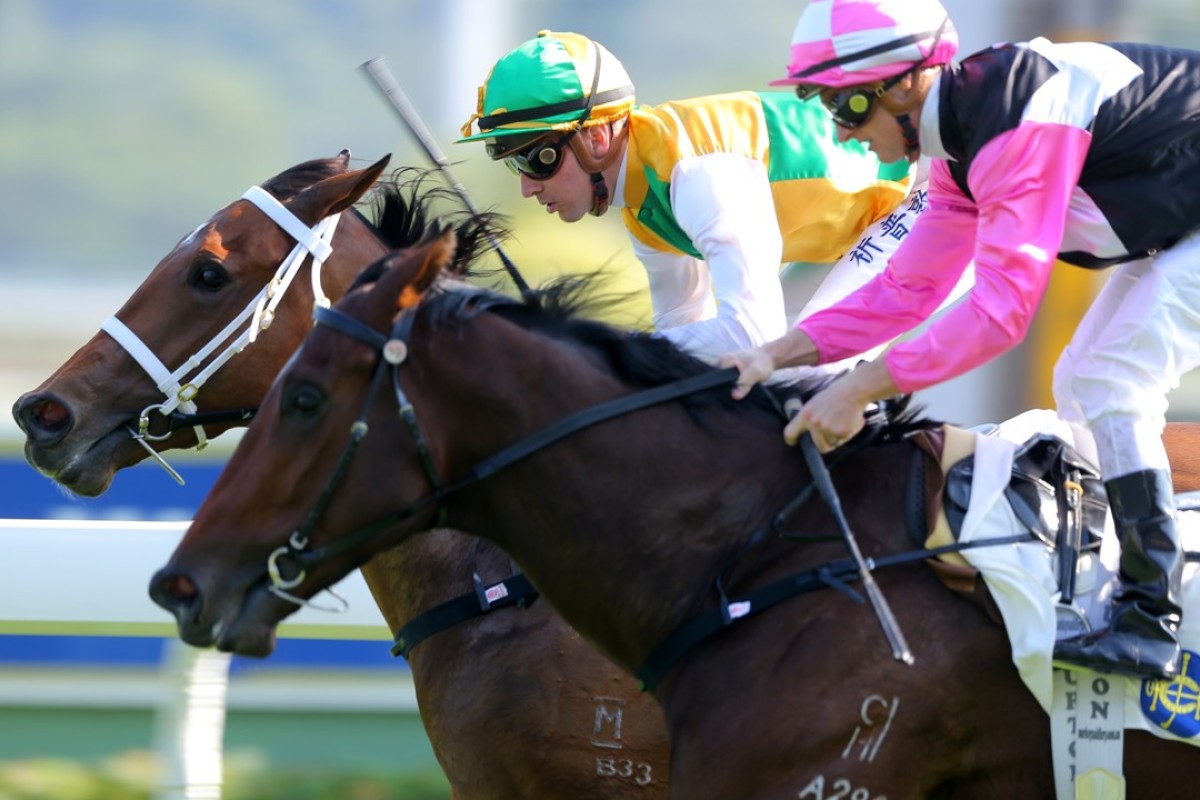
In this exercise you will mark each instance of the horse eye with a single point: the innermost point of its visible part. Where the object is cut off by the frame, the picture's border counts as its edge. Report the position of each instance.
(302, 401)
(208, 276)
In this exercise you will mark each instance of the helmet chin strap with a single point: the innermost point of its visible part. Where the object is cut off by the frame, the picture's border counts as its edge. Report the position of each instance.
(912, 139)
(600, 198)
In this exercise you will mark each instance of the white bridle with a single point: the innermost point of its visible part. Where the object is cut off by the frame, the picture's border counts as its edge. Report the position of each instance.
(260, 312)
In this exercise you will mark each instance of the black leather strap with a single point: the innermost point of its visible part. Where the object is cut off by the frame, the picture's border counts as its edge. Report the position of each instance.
(516, 590)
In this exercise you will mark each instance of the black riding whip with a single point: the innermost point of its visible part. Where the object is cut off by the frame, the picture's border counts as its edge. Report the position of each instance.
(883, 612)
(377, 69)
(824, 485)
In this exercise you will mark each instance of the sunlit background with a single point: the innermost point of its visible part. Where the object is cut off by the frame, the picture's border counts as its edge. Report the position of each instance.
(126, 123)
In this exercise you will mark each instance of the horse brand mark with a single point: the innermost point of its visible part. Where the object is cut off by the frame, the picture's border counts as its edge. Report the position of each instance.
(876, 713)
(606, 733)
(839, 789)
(637, 771)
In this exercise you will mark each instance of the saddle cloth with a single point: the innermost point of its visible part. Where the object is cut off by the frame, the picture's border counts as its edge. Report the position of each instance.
(1023, 581)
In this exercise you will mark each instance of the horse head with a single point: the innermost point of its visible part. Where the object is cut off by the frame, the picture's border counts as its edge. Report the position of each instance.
(77, 423)
(329, 386)
(160, 375)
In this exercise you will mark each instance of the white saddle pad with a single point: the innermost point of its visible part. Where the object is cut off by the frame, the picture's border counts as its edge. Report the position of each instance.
(1023, 579)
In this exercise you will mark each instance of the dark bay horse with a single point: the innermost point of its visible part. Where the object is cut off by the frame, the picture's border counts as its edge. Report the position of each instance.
(559, 440)
(514, 702)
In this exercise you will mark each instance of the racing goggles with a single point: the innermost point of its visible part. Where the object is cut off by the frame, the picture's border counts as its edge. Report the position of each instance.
(539, 159)
(852, 106)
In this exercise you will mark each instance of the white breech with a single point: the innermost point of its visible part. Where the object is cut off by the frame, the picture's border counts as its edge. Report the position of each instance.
(1136, 341)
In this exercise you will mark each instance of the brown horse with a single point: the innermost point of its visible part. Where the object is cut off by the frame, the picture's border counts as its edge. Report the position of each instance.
(515, 704)
(636, 500)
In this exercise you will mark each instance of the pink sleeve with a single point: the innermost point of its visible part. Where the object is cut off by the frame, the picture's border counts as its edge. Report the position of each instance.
(1022, 183)
(919, 276)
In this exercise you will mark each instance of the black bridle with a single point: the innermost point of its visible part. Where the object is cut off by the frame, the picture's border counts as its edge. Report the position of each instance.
(393, 352)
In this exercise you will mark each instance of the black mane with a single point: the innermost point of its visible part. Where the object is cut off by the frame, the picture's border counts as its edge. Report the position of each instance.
(561, 310)
(410, 201)
(402, 209)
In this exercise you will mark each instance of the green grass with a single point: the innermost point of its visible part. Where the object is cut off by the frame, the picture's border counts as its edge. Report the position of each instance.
(134, 776)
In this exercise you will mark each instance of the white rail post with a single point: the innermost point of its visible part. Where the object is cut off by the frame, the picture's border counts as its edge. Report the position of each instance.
(190, 724)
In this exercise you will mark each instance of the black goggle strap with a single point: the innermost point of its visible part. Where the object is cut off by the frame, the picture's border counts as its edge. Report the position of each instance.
(599, 194)
(912, 139)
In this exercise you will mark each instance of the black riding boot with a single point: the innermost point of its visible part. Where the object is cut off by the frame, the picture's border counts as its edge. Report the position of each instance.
(1141, 637)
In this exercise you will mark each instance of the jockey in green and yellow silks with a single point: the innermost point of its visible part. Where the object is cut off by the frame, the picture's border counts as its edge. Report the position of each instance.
(716, 192)
(807, 170)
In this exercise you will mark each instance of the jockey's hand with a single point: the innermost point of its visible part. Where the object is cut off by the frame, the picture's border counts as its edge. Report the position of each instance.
(831, 416)
(836, 413)
(754, 366)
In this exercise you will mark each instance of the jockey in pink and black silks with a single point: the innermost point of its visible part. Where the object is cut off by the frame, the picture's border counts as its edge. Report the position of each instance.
(715, 192)
(1085, 152)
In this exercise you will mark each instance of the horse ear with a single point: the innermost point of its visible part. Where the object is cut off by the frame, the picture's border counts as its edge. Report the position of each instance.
(434, 257)
(333, 195)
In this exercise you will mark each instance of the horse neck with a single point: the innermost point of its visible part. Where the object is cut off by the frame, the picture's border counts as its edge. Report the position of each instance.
(621, 526)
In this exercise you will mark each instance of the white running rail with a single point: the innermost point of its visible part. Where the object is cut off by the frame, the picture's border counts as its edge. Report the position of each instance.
(91, 578)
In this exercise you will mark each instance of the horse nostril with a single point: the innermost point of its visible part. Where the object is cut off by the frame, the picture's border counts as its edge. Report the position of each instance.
(174, 591)
(43, 418)
(181, 588)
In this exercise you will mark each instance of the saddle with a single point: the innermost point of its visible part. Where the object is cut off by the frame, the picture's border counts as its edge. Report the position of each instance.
(1054, 492)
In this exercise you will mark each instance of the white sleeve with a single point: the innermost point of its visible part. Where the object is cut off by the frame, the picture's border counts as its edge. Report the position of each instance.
(732, 300)
(680, 287)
